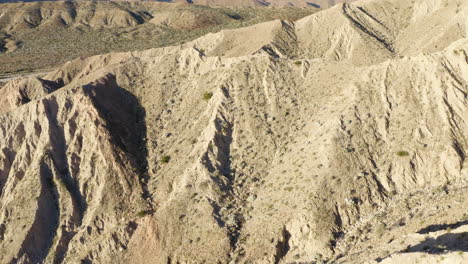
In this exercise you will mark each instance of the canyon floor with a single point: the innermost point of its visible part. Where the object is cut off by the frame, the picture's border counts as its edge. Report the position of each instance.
(339, 137)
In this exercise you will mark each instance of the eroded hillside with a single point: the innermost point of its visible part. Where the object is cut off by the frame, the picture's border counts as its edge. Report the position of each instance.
(341, 137)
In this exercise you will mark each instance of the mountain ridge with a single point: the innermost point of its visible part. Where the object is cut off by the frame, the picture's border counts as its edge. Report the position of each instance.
(238, 3)
(327, 139)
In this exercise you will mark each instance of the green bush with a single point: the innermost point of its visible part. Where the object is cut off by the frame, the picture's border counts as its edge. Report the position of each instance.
(143, 213)
(207, 96)
(165, 159)
(298, 62)
(402, 153)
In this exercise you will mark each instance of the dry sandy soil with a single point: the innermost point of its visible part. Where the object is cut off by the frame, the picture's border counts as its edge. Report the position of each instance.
(338, 138)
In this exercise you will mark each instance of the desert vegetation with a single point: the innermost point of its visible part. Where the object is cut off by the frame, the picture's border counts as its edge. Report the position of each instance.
(48, 42)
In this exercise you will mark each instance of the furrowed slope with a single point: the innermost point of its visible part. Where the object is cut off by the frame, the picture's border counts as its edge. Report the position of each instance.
(265, 151)
(67, 175)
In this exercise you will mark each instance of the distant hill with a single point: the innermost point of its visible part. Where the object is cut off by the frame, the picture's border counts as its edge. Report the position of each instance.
(39, 35)
(242, 3)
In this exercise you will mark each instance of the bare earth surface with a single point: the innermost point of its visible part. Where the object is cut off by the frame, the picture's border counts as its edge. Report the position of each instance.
(338, 138)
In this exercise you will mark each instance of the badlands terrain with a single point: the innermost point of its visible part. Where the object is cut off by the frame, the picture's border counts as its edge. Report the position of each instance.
(340, 137)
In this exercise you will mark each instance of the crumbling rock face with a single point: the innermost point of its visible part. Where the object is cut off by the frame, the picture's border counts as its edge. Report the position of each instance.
(65, 177)
(279, 152)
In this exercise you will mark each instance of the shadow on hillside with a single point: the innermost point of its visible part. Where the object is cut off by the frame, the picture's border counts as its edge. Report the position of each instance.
(442, 244)
(125, 118)
(434, 228)
(313, 5)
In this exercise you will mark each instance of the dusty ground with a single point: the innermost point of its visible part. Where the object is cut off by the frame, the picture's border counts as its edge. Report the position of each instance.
(338, 138)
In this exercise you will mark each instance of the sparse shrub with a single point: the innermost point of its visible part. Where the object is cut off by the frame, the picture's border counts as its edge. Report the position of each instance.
(352, 200)
(204, 185)
(165, 159)
(298, 62)
(350, 149)
(143, 213)
(207, 96)
(402, 153)
(442, 188)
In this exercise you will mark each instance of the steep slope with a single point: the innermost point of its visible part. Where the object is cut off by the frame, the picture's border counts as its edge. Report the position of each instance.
(69, 172)
(233, 150)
